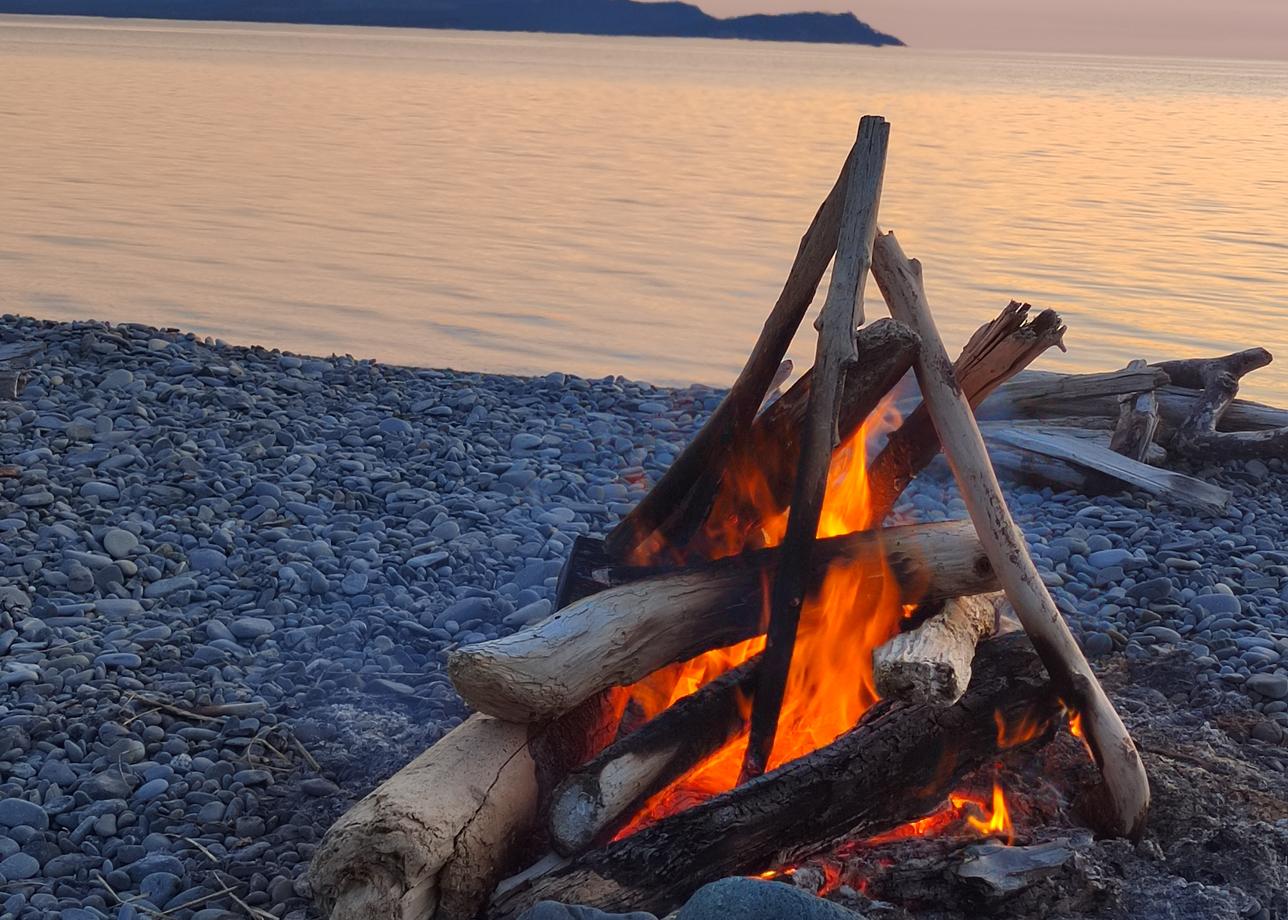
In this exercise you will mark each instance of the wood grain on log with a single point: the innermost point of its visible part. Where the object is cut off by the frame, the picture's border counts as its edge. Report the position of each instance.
(932, 663)
(433, 839)
(842, 313)
(621, 635)
(675, 507)
(897, 765)
(1126, 787)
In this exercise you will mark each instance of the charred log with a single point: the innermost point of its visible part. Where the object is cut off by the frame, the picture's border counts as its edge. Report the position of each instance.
(898, 764)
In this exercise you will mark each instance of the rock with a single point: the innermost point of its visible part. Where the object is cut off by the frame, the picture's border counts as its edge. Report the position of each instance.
(16, 812)
(103, 491)
(1001, 871)
(1108, 558)
(119, 543)
(19, 866)
(552, 910)
(117, 379)
(110, 784)
(118, 606)
(251, 628)
(207, 559)
(152, 789)
(1154, 589)
(1218, 604)
(1098, 644)
(756, 899)
(1272, 686)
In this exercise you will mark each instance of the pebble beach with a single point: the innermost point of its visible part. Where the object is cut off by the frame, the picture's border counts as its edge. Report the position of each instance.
(229, 577)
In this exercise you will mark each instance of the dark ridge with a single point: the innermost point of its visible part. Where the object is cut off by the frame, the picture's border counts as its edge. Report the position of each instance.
(584, 17)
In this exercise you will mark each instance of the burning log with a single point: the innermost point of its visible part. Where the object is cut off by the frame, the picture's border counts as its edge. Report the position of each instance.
(996, 352)
(437, 835)
(1137, 422)
(1126, 787)
(932, 663)
(676, 506)
(598, 797)
(842, 313)
(898, 764)
(621, 635)
(1218, 378)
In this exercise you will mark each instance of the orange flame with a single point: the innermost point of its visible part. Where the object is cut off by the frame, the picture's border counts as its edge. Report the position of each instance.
(992, 822)
(1025, 730)
(856, 608)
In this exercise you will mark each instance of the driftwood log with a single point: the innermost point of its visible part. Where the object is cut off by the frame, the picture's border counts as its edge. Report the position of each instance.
(841, 315)
(1137, 421)
(623, 634)
(433, 839)
(1126, 788)
(996, 352)
(16, 361)
(598, 797)
(1174, 486)
(898, 764)
(676, 506)
(1197, 436)
(932, 663)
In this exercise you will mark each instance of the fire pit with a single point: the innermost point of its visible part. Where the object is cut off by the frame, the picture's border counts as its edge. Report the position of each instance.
(753, 675)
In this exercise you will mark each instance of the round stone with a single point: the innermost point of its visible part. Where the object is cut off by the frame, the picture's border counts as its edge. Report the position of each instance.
(119, 543)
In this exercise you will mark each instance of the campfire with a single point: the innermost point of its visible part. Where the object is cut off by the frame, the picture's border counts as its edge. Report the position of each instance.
(758, 672)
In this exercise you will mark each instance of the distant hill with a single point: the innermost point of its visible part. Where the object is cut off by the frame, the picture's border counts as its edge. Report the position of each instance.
(584, 17)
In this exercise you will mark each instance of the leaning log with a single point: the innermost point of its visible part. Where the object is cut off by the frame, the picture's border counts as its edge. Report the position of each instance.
(675, 507)
(836, 353)
(1125, 789)
(433, 839)
(599, 797)
(932, 663)
(619, 636)
(898, 764)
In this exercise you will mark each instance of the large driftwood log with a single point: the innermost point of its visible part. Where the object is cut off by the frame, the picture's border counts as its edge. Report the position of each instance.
(932, 663)
(996, 352)
(842, 313)
(16, 360)
(675, 507)
(1177, 487)
(895, 766)
(1137, 422)
(598, 797)
(1126, 788)
(619, 636)
(1197, 436)
(432, 840)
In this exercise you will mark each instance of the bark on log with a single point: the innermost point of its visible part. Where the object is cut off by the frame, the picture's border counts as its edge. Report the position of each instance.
(932, 663)
(675, 507)
(1126, 787)
(597, 798)
(622, 635)
(1137, 422)
(836, 353)
(996, 352)
(1197, 437)
(895, 766)
(433, 839)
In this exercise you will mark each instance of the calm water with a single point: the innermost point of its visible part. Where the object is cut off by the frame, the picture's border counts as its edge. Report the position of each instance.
(531, 203)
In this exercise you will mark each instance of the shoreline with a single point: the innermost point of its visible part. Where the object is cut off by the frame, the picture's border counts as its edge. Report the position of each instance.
(214, 557)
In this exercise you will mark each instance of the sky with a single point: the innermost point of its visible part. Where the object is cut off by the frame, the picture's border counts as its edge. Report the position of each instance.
(1205, 28)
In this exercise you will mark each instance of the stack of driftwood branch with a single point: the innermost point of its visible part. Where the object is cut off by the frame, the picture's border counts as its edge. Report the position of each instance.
(548, 771)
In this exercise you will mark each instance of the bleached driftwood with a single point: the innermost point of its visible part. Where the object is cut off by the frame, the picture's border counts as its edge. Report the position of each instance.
(623, 634)
(1218, 379)
(1125, 788)
(432, 840)
(932, 663)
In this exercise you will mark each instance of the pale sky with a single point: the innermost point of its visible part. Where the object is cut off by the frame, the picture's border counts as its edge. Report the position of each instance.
(1206, 28)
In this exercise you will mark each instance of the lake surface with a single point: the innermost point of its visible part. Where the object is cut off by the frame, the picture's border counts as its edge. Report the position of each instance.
(527, 203)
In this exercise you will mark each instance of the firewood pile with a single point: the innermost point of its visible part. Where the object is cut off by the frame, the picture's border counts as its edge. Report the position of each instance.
(689, 642)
